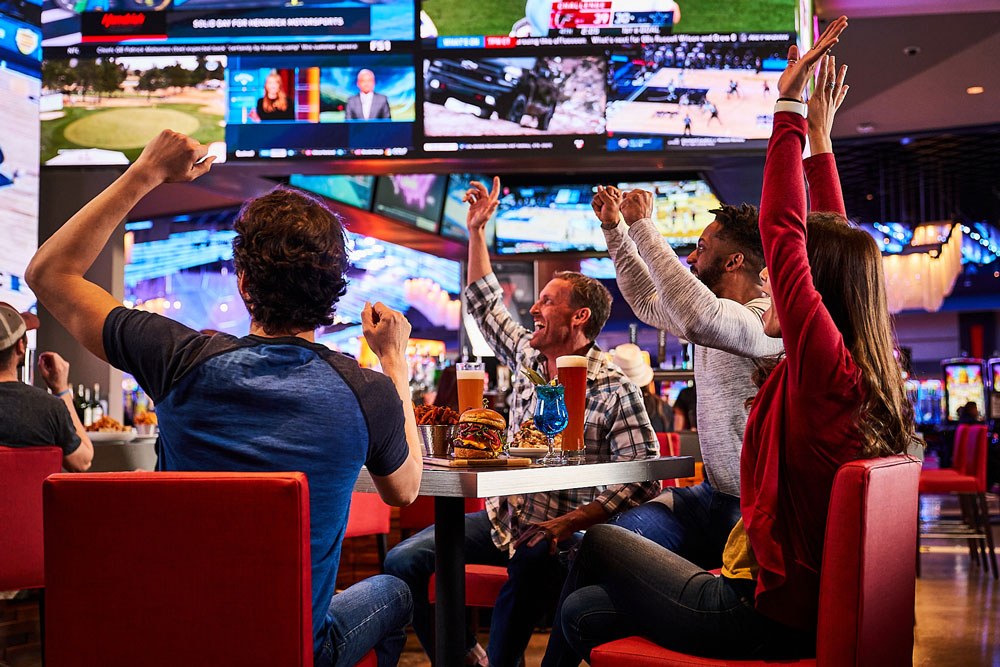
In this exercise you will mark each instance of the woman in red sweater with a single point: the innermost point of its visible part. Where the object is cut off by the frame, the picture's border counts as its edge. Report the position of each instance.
(837, 396)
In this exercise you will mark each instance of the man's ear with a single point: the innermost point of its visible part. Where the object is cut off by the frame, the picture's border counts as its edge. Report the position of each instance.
(581, 316)
(735, 262)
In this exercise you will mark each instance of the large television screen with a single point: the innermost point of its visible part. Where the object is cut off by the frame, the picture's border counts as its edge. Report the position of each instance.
(226, 23)
(19, 173)
(694, 92)
(456, 24)
(681, 209)
(548, 218)
(455, 209)
(105, 110)
(416, 199)
(182, 267)
(490, 104)
(322, 106)
(351, 190)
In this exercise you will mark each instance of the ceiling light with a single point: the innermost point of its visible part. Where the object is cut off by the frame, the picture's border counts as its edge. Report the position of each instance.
(866, 127)
(975, 90)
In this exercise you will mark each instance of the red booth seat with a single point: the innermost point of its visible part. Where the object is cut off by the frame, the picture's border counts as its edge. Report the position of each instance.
(867, 585)
(22, 471)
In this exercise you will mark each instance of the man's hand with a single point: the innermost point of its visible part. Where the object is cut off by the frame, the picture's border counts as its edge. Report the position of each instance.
(607, 205)
(54, 371)
(386, 331)
(824, 103)
(482, 204)
(793, 80)
(173, 157)
(638, 204)
(554, 530)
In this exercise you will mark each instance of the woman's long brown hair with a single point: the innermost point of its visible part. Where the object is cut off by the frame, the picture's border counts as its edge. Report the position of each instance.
(281, 102)
(846, 268)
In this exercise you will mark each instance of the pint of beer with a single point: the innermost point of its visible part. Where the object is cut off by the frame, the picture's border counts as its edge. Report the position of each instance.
(471, 377)
(573, 376)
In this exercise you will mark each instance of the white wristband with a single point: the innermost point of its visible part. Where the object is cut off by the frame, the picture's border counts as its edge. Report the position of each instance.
(795, 107)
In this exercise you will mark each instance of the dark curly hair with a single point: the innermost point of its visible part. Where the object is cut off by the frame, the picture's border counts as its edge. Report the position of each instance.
(739, 226)
(587, 292)
(290, 252)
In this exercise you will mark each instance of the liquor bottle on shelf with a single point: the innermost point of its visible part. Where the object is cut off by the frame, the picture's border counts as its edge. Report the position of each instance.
(88, 408)
(79, 402)
(96, 404)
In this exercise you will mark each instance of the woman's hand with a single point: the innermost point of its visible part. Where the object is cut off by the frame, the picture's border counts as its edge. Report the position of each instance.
(793, 80)
(824, 103)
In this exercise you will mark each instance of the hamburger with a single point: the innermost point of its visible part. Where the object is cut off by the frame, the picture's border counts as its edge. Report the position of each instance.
(480, 435)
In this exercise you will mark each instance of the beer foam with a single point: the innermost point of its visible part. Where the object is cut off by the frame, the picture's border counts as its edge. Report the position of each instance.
(470, 375)
(571, 361)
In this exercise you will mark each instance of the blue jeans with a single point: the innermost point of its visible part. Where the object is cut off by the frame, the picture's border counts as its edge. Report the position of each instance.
(695, 526)
(625, 585)
(532, 589)
(371, 614)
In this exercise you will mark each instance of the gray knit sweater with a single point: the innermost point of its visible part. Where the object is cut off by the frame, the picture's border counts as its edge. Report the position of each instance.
(726, 334)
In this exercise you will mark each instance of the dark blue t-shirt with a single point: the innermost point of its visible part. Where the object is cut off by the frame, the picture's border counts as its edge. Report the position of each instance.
(258, 404)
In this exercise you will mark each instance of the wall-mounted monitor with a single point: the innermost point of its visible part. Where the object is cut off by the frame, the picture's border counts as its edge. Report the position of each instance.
(548, 218)
(455, 209)
(682, 208)
(416, 199)
(320, 106)
(477, 104)
(351, 190)
(19, 174)
(105, 110)
(694, 92)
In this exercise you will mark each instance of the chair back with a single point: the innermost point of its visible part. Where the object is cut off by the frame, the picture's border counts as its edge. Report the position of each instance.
(868, 579)
(670, 445)
(959, 447)
(22, 471)
(181, 568)
(976, 453)
(420, 513)
(368, 516)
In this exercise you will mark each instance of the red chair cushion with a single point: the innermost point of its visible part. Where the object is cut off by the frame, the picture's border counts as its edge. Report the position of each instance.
(954, 483)
(420, 513)
(22, 471)
(639, 652)
(167, 569)
(368, 516)
(370, 660)
(482, 585)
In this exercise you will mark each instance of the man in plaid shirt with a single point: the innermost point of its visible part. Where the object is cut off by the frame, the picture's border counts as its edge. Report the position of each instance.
(527, 532)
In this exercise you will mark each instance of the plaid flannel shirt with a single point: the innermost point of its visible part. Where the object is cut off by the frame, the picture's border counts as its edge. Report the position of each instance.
(616, 421)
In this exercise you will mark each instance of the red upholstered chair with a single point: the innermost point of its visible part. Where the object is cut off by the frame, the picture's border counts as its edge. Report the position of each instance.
(369, 516)
(165, 569)
(867, 585)
(969, 484)
(23, 469)
(420, 513)
(482, 586)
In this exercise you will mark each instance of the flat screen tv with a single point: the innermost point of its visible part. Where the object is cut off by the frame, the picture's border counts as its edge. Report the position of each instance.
(682, 208)
(548, 218)
(964, 382)
(351, 190)
(416, 199)
(455, 210)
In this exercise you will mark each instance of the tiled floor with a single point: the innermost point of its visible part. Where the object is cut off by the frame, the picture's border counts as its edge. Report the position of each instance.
(958, 611)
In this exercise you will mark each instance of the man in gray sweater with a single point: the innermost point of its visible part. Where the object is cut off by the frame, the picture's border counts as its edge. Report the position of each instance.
(717, 305)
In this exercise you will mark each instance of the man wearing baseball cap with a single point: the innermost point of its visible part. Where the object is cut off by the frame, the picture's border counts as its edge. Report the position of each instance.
(29, 417)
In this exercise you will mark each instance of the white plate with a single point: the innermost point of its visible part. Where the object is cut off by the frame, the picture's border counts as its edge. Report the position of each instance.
(110, 436)
(530, 452)
(144, 439)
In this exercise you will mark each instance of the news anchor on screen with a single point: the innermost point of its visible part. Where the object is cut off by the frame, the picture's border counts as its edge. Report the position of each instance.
(274, 105)
(367, 104)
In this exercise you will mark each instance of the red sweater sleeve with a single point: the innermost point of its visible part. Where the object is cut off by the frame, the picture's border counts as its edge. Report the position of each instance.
(818, 360)
(824, 184)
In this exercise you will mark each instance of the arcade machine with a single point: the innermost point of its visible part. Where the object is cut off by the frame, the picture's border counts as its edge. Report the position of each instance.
(993, 422)
(964, 387)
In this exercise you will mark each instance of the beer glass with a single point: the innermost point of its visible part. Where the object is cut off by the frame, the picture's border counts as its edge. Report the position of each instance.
(573, 377)
(470, 376)
(550, 417)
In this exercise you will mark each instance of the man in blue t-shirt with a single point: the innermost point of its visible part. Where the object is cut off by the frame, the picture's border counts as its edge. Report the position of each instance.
(270, 401)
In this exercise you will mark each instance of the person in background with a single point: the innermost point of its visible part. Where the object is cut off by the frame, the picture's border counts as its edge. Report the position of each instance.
(685, 410)
(969, 414)
(367, 104)
(628, 357)
(273, 400)
(526, 532)
(447, 389)
(830, 308)
(274, 105)
(29, 417)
